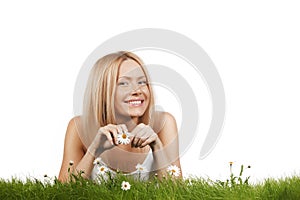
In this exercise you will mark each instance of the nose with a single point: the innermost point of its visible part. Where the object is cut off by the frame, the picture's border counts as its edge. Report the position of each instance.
(136, 90)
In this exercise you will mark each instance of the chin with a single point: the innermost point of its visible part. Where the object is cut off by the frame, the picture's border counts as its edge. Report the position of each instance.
(136, 114)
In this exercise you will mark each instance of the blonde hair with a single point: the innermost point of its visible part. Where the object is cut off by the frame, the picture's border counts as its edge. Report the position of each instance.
(98, 104)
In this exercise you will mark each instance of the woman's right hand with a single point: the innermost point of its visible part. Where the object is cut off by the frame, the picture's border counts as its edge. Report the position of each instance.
(106, 138)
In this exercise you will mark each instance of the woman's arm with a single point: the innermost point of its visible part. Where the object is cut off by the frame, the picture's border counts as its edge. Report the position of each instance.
(74, 151)
(83, 158)
(163, 140)
(168, 135)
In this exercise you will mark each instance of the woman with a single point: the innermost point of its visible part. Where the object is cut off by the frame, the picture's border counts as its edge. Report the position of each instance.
(119, 128)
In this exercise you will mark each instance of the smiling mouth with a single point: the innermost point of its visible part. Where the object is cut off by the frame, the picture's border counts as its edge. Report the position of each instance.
(135, 102)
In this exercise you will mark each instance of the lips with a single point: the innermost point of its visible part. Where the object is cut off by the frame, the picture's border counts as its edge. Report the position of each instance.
(135, 102)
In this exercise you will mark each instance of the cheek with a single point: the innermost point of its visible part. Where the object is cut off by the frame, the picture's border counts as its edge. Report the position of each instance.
(118, 99)
(119, 95)
(146, 92)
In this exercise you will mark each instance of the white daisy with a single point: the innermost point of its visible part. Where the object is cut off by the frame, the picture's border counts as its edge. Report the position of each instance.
(97, 161)
(140, 168)
(102, 170)
(173, 170)
(123, 138)
(125, 186)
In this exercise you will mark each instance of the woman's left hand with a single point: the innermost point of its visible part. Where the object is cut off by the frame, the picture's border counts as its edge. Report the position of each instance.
(144, 135)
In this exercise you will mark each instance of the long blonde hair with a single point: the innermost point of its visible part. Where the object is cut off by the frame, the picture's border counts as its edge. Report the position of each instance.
(98, 104)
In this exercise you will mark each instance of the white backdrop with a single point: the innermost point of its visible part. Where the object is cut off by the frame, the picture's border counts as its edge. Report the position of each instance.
(255, 47)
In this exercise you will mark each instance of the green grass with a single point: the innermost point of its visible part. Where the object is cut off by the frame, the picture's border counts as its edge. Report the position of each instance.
(196, 188)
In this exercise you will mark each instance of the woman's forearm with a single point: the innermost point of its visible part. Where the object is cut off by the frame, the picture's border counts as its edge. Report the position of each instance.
(160, 158)
(85, 166)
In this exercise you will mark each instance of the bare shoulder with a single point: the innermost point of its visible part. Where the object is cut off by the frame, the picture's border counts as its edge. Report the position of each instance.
(74, 124)
(164, 122)
(72, 133)
(165, 126)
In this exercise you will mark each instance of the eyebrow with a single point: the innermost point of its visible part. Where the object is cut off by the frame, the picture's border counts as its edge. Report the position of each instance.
(128, 77)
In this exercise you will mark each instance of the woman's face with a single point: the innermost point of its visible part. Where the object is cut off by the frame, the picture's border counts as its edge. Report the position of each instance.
(132, 93)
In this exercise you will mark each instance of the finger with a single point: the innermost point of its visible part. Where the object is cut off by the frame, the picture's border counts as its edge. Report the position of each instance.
(148, 141)
(137, 129)
(114, 132)
(108, 135)
(145, 136)
(141, 141)
(135, 138)
(134, 141)
(119, 129)
(124, 128)
(140, 137)
(141, 133)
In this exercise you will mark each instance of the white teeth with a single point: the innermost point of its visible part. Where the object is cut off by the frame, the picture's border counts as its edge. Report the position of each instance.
(135, 102)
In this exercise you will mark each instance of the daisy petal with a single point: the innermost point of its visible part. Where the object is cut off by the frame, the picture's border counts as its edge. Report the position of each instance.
(140, 168)
(123, 138)
(173, 170)
(97, 161)
(125, 186)
(102, 170)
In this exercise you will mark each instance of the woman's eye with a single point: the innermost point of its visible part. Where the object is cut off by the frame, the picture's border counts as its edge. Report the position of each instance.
(123, 83)
(142, 82)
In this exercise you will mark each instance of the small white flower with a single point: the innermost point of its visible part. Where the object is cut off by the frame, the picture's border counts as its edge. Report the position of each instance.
(140, 168)
(102, 170)
(125, 186)
(173, 170)
(123, 138)
(97, 161)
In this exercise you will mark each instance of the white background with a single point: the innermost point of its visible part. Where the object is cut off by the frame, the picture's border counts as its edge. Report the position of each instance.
(255, 46)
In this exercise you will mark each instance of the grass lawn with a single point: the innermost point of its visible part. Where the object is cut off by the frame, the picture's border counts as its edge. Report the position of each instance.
(288, 188)
(236, 187)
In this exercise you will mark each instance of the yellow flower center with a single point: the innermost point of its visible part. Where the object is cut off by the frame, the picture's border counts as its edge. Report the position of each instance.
(173, 171)
(124, 136)
(102, 169)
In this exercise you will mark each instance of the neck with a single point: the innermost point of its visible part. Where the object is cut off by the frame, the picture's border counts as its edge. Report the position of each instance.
(130, 122)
